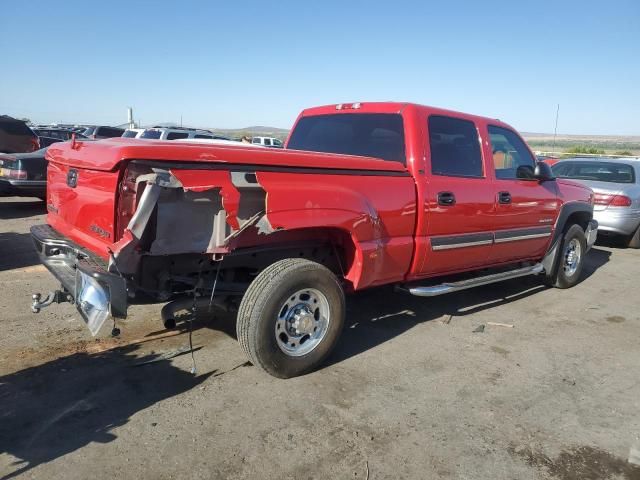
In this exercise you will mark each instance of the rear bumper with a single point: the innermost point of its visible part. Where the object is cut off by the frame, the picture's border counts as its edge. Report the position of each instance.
(23, 188)
(620, 223)
(83, 276)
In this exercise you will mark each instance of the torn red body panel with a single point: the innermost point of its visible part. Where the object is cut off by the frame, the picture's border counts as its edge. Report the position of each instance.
(376, 212)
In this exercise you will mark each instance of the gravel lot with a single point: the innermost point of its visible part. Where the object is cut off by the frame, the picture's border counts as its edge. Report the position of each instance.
(406, 394)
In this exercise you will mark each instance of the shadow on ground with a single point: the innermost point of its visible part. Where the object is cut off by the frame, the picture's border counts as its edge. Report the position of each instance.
(56, 408)
(376, 316)
(21, 208)
(17, 251)
(612, 241)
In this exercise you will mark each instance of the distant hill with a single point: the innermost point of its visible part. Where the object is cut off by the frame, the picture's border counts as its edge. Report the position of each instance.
(608, 143)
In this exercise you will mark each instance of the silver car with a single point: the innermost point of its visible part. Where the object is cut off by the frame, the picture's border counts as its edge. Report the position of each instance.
(616, 185)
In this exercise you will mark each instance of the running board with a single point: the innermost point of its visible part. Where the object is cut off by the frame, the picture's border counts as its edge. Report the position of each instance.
(443, 288)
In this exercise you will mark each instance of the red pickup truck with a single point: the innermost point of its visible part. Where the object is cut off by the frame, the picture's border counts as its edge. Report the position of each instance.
(364, 194)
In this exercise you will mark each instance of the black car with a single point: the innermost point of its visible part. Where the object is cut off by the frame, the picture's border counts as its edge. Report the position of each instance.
(98, 131)
(24, 174)
(16, 136)
(49, 135)
(62, 134)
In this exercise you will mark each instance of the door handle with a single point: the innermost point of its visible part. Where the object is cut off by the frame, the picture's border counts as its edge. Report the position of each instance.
(504, 197)
(446, 199)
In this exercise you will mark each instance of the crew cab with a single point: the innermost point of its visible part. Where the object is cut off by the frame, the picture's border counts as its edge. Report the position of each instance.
(364, 194)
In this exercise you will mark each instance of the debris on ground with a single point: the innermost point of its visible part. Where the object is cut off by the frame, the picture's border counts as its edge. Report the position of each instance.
(479, 329)
(497, 324)
(166, 356)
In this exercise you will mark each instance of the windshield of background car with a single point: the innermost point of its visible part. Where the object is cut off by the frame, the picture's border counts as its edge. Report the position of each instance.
(130, 134)
(153, 134)
(378, 135)
(593, 170)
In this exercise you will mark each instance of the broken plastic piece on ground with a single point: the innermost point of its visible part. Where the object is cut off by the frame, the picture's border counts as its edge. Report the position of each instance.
(497, 324)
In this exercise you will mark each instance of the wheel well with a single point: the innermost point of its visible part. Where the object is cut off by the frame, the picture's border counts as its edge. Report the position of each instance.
(333, 248)
(578, 218)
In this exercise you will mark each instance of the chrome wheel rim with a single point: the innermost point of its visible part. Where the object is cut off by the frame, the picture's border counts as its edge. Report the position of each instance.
(572, 255)
(303, 322)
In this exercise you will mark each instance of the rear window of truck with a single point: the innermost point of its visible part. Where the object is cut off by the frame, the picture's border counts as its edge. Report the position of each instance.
(378, 135)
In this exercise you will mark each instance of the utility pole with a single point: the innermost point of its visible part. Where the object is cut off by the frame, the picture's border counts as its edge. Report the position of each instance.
(555, 131)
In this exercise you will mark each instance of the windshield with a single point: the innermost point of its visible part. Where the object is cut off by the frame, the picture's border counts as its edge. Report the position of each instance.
(378, 135)
(153, 134)
(130, 134)
(598, 171)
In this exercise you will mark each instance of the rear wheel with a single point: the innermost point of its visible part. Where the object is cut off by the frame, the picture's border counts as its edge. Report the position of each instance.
(571, 261)
(291, 317)
(634, 240)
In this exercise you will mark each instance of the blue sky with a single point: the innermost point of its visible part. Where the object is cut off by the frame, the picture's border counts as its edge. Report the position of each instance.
(235, 64)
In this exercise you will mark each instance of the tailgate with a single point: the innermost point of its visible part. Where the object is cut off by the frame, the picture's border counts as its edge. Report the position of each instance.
(81, 204)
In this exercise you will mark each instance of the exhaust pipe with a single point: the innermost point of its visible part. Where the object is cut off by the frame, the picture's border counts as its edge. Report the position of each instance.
(202, 304)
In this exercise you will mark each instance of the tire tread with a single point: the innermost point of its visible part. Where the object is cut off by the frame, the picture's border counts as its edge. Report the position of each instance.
(257, 295)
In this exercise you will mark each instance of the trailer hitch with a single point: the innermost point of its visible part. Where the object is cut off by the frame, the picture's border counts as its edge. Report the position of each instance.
(58, 296)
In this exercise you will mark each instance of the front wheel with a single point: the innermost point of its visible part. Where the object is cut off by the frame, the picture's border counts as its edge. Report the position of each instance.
(291, 317)
(571, 261)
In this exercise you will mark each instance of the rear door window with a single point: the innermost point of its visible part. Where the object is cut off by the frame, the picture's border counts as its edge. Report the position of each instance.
(177, 135)
(151, 134)
(378, 135)
(203, 136)
(109, 132)
(455, 147)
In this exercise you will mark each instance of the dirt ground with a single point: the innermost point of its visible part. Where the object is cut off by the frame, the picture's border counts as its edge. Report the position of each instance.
(405, 395)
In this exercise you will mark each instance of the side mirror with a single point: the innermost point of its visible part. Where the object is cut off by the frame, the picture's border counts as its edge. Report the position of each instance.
(543, 172)
(525, 172)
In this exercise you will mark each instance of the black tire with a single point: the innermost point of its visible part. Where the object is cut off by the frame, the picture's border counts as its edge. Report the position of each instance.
(262, 306)
(634, 240)
(563, 277)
